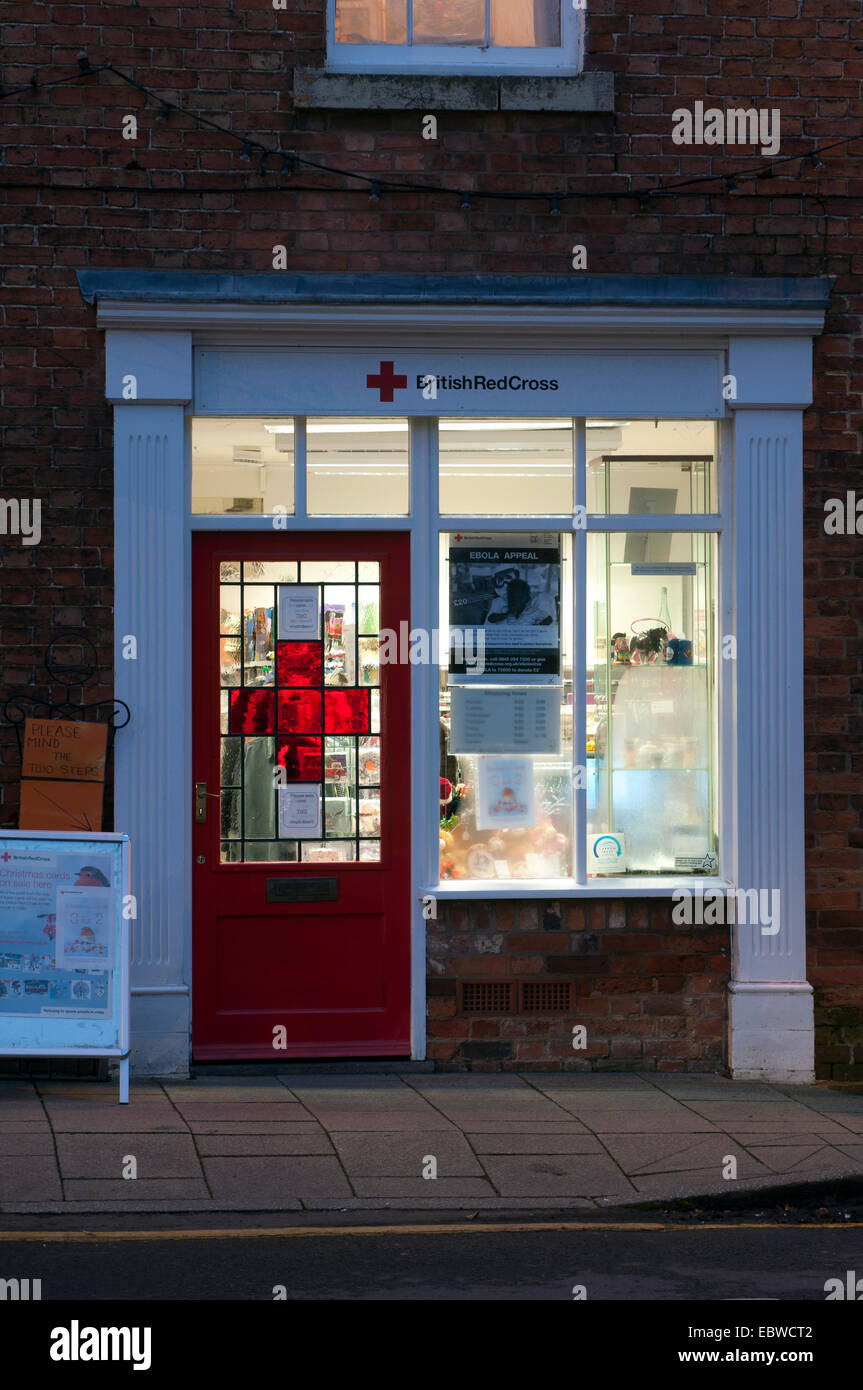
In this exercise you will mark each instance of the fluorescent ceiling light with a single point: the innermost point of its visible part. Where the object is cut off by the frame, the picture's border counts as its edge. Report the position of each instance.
(505, 424)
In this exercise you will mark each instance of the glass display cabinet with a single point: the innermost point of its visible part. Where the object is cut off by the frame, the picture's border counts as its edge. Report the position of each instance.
(651, 737)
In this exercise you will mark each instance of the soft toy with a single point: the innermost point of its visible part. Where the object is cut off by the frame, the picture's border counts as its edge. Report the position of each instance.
(679, 651)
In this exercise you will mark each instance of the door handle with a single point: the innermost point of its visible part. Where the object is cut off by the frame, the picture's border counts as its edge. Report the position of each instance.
(200, 803)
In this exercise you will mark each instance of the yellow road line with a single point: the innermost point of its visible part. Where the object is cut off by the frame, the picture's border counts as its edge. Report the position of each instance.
(462, 1228)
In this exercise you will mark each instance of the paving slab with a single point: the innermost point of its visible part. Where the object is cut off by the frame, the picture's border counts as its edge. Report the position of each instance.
(204, 1110)
(565, 1175)
(35, 1141)
(344, 1121)
(27, 1177)
(513, 1104)
(567, 1124)
(644, 1122)
(793, 1137)
(811, 1125)
(804, 1159)
(588, 1083)
(398, 1155)
(309, 1142)
(98, 1092)
(198, 1127)
(468, 1204)
(532, 1143)
(442, 1188)
(75, 1118)
(18, 1112)
(601, 1104)
(659, 1153)
(772, 1111)
(850, 1120)
(573, 1100)
(341, 1081)
(819, 1095)
(276, 1177)
(88, 1206)
(258, 1089)
(392, 1096)
(669, 1187)
(196, 1093)
(155, 1189)
(104, 1156)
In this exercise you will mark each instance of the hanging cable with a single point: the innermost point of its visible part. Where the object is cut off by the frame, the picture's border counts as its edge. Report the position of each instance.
(85, 69)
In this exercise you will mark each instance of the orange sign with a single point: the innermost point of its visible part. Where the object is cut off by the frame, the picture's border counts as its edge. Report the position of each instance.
(60, 805)
(63, 775)
(64, 748)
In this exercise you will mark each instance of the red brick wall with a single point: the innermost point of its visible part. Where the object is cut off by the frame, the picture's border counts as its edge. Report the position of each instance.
(650, 995)
(76, 194)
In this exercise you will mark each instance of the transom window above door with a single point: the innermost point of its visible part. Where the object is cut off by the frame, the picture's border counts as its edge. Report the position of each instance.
(453, 35)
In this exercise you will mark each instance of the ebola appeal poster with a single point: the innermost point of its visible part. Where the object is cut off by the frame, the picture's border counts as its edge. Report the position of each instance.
(59, 906)
(504, 601)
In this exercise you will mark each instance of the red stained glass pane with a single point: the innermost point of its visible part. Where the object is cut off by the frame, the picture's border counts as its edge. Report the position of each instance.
(347, 711)
(253, 711)
(299, 663)
(302, 759)
(299, 711)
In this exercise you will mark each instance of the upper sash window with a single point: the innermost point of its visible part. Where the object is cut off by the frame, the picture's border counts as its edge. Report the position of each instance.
(497, 36)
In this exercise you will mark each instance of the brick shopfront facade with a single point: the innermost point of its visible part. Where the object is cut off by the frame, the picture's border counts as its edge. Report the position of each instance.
(493, 381)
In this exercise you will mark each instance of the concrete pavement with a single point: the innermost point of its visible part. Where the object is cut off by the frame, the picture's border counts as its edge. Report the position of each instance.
(334, 1142)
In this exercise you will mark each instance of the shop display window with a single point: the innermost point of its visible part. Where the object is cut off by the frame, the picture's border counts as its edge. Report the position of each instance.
(506, 759)
(242, 466)
(647, 773)
(651, 467)
(521, 794)
(501, 467)
(651, 704)
(357, 467)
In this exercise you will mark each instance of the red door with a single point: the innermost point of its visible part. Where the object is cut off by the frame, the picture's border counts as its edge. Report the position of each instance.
(301, 766)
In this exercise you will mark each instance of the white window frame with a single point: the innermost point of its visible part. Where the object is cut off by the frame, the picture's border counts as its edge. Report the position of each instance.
(461, 59)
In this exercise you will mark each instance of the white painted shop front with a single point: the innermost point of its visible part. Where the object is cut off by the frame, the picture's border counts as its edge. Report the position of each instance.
(189, 356)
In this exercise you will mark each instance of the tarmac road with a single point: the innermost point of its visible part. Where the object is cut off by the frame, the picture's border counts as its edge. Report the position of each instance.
(643, 1259)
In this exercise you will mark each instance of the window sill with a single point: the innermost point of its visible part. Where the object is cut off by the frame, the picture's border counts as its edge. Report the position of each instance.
(587, 91)
(604, 887)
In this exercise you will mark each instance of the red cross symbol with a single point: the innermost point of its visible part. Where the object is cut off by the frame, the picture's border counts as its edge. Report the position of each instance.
(386, 381)
(5, 857)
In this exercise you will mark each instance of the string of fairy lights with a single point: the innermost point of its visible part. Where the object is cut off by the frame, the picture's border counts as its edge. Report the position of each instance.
(289, 160)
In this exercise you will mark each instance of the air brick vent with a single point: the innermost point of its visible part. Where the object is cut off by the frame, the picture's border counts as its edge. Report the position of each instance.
(546, 997)
(512, 997)
(488, 997)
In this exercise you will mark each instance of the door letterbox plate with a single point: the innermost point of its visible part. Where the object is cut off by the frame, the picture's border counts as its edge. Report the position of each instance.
(302, 890)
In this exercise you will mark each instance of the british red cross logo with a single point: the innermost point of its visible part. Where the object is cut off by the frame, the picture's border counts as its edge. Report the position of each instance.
(5, 856)
(386, 381)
